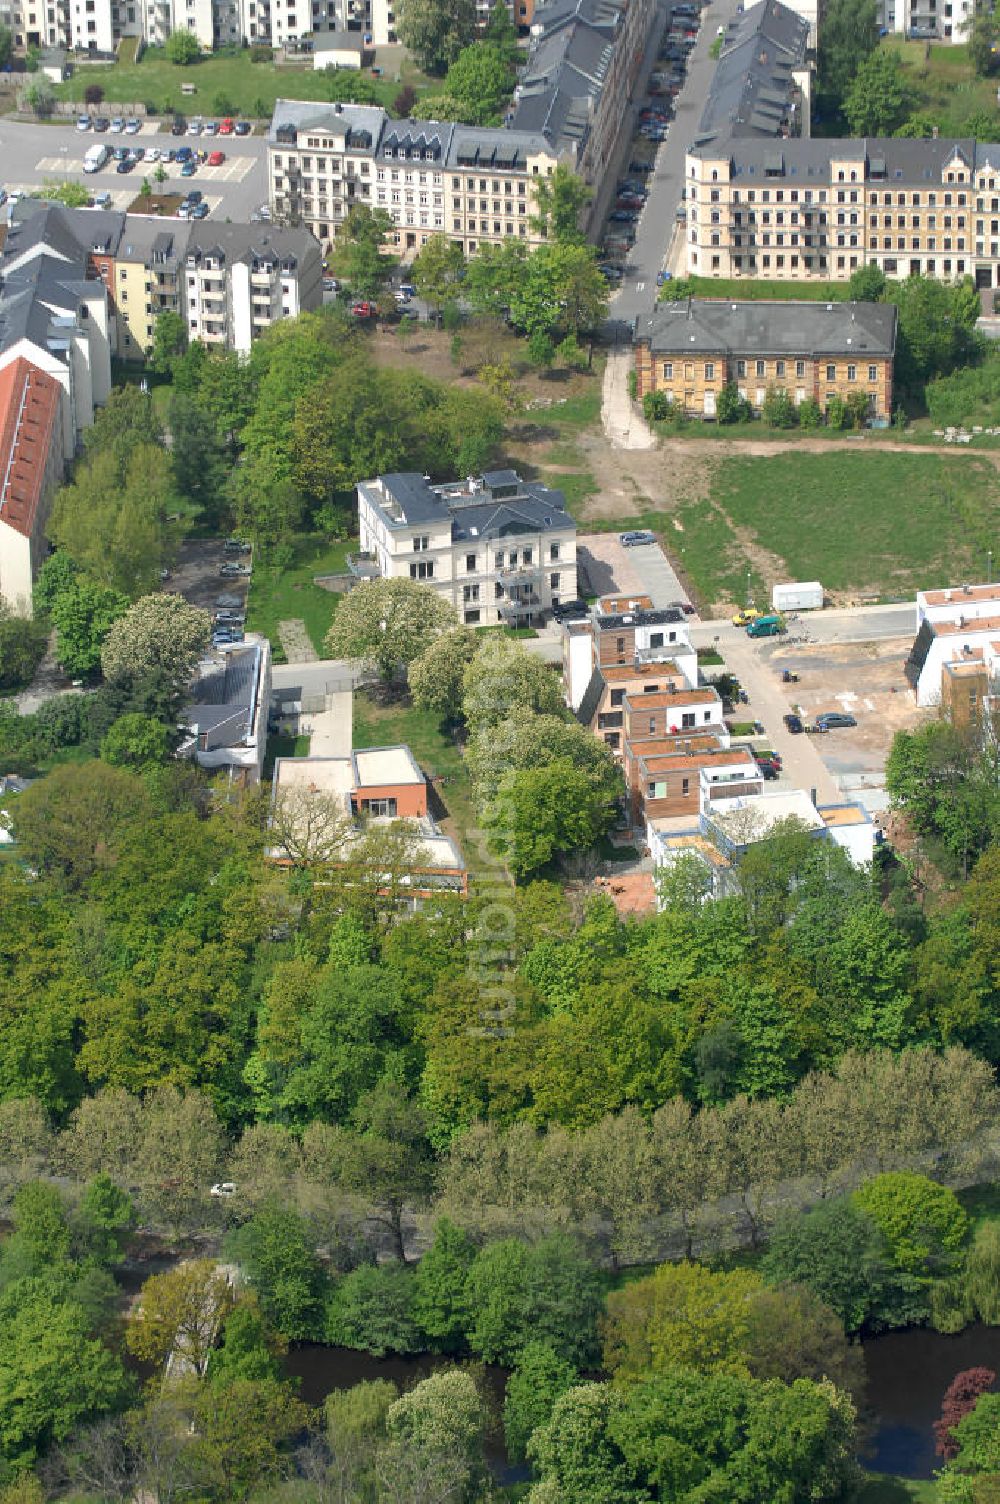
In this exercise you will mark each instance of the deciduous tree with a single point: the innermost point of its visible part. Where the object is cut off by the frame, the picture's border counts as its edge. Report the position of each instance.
(436, 271)
(180, 1313)
(160, 635)
(389, 622)
(436, 30)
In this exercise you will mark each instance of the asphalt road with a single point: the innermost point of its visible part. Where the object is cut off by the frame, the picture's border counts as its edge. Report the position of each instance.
(855, 624)
(637, 293)
(34, 154)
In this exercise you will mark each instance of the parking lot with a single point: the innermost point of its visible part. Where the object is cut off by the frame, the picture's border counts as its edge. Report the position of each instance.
(196, 576)
(36, 154)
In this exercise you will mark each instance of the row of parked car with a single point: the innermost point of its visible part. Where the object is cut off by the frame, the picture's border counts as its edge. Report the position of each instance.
(229, 617)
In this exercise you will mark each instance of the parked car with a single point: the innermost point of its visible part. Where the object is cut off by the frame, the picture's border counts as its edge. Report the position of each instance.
(211, 128)
(330, 284)
(407, 289)
(363, 310)
(236, 546)
(230, 618)
(745, 617)
(125, 165)
(102, 200)
(793, 723)
(568, 610)
(832, 719)
(241, 128)
(184, 153)
(226, 636)
(117, 125)
(198, 211)
(132, 126)
(119, 153)
(194, 126)
(216, 158)
(233, 570)
(637, 537)
(189, 169)
(83, 122)
(151, 154)
(610, 272)
(768, 770)
(179, 126)
(684, 606)
(766, 626)
(101, 123)
(226, 126)
(135, 155)
(193, 196)
(223, 1188)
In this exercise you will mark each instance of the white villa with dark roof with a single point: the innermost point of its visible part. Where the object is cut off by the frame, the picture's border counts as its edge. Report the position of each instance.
(498, 548)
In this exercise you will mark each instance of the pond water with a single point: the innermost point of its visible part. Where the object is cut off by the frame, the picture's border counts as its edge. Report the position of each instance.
(908, 1373)
(320, 1370)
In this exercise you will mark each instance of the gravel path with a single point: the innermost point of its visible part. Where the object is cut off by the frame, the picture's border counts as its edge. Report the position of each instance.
(296, 642)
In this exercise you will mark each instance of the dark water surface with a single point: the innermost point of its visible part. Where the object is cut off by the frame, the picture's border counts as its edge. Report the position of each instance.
(321, 1370)
(908, 1373)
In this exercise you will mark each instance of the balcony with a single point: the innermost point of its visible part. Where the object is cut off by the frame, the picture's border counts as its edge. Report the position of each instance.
(520, 571)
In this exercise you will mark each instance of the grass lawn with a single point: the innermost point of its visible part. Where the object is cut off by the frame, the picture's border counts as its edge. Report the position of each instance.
(748, 289)
(283, 746)
(879, 1488)
(945, 87)
(250, 89)
(385, 725)
(864, 523)
(286, 592)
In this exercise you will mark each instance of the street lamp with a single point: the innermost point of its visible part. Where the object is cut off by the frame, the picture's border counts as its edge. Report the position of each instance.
(989, 566)
(749, 599)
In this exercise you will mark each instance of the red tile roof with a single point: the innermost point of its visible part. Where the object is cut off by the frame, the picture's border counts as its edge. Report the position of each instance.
(29, 413)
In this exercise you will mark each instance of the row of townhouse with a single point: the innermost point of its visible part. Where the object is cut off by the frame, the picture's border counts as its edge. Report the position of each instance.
(500, 550)
(801, 209)
(690, 350)
(229, 282)
(475, 184)
(955, 659)
(56, 342)
(81, 286)
(631, 677)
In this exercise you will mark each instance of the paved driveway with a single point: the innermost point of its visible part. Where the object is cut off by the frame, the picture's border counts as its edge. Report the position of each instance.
(659, 581)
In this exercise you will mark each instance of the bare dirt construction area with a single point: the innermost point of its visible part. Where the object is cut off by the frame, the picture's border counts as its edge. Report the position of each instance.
(433, 352)
(866, 680)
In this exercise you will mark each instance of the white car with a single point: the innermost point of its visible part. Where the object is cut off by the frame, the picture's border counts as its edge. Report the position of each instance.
(83, 122)
(194, 127)
(151, 154)
(223, 1188)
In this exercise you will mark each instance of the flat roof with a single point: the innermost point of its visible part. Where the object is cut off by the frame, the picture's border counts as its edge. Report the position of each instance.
(682, 745)
(316, 775)
(662, 698)
(970, 663)
(745, 819)
(697, 845)
(843, 814)
(677, 762)
(376, 766)
(613, 605)
(618, 672)
(962, 628)
(956, 594)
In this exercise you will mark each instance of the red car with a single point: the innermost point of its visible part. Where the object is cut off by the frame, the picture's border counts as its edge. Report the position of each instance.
(216, 158)
(363, 310)
(226, 127)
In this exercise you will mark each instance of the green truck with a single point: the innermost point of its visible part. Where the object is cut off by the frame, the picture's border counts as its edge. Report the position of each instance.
(766, 626)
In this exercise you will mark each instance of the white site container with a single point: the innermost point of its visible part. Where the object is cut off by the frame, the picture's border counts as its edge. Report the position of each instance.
(806, 596)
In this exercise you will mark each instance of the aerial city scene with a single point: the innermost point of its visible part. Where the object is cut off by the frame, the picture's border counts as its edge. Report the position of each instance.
(499, 752)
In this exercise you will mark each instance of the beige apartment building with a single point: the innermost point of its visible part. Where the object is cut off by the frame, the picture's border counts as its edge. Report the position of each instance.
(791, 209)
(475, 185)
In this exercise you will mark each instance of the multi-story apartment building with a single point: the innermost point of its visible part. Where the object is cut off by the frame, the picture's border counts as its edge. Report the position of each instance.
(238, 280)
(98, 26)
(575, 88)
(822, 208)
(498, 548)
(956, 650)
(474, 185)
(55, 367)
(928, 20)
(762, 84)
(690, 350)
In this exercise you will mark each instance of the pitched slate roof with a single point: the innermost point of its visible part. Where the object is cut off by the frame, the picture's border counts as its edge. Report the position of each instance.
(753, 91)
(702, 326)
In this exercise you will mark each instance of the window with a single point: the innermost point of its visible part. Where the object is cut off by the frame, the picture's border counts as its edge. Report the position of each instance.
(741, 368)
(379, 808)
(420, 544)
(800, 368)
(687, 720)
(685, 787)
(709, 371)
(873, 373)
(553, 552)
(553, 582)
(779, 369)
(617, 696)
(422, 571)
(760, 368)
(668, 370)
(499, 560)
(852, 373)
(652, 725)
(831, 373)
(656, 639)
(526, 556)
(470, 592)
(470, 563)
(621, 646)
(472, 618)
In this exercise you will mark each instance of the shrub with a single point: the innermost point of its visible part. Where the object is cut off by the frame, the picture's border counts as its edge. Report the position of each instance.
(182, 48)
(656, 406)
(810, 415)
(731, 407)
(779, 409)
(261, 53)
(372, 1309)
(836, 413)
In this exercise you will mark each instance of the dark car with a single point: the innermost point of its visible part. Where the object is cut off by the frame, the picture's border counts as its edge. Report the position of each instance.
(793, 723)
(179, 126)
(768, 770)
(184, 153)
(241, 128)
(623, 216)
(193, 196)
(199, 211)
(569, 610)
(830, 719)
(101, 123)
(126, 165)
